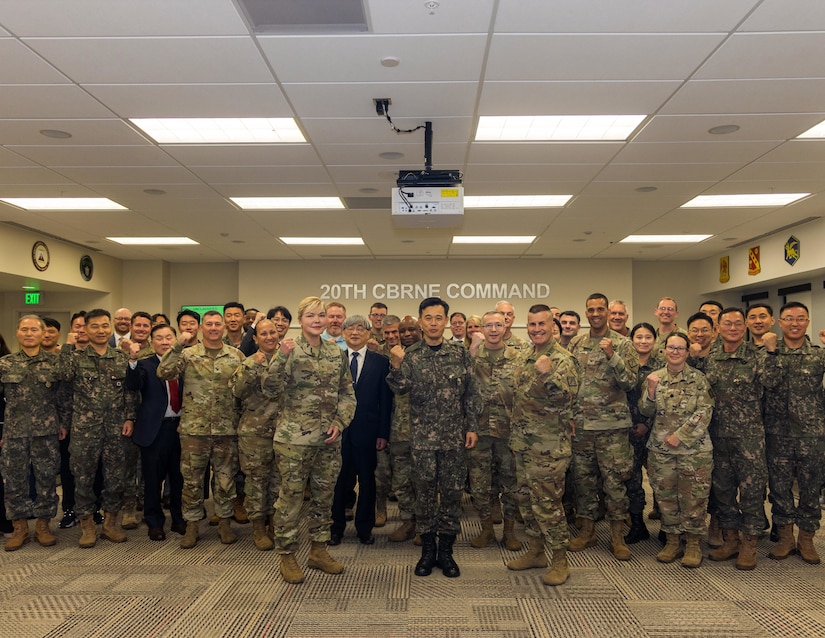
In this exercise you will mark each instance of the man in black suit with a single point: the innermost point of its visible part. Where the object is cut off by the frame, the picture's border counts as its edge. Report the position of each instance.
(156, 432)
(367, 433)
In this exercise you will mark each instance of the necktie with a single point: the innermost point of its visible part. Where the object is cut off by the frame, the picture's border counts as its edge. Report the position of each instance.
(174, 396)
(353, 367)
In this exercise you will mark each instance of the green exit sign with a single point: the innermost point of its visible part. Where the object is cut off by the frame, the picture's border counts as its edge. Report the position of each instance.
(32, 298)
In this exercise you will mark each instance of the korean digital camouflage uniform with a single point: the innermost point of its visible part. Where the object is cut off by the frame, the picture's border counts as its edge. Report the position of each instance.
(634, 485)
(208, 423)
(738, 380)
(313, 388)
(601, 445)
(680, 476)
(541, 440)
(35, 412)
(100, 406)
(383, 465)
(255, 431)
(494, 372)
(795, 436)
(444, 406)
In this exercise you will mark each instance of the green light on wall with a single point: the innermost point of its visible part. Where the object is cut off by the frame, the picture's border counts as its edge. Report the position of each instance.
(32, 298)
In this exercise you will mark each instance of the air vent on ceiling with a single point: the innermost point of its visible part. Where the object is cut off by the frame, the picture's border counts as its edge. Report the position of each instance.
(305, 16)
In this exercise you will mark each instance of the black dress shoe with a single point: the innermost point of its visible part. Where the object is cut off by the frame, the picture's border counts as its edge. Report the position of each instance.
(156, 534)
(69, 520)
(179, 528)
(367, 540)
(334, 539)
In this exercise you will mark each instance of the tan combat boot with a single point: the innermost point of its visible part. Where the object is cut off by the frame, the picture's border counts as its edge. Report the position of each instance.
(129, 520)
(259, 535)
(730, 546)
(225, 532)
(533, 557)
(805, 547)
(43, 533)
(786, 545)
(510, 539)
(19, 536)
(487, 534)
(290, 571)
(270, 527)
(714, 532)
(672, 549)
(190, 538)
(560, 570)
(239, 511)
(319, 558)
(586, 537)
(404, 532)
(88, 532)
(746, 560)
(620, 550)
(495, 512)
(693, 553)
(381, 512)
(110, 530)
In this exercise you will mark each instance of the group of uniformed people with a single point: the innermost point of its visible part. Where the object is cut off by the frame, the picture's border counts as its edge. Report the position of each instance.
(533, 430)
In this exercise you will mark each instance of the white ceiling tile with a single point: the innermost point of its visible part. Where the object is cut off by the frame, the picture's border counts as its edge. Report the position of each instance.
(786, 15)
(250, 155)
(691, 152)
(103, 156)
(543, 152)
(748, 96)
(355, 130)
(455, 16)
(49, 102)
(767, 55)
(155, 60)
(274, 175)
(655, 172)
(532, 172)
(754, 127)
(30, 176)
(21, 64)
(797, 151)
(9, 159)
(445, 156)
(147, 176)
(106, 132)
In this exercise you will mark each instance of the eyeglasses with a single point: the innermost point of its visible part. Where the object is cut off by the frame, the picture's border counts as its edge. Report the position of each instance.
(490, 326)
(356, 328)
(378, 315)
(667, 309)
(675, 348)
(794, 319)
(731, 324)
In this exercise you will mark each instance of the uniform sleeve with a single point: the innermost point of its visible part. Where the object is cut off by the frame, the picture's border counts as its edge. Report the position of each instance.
(386, 398)
(172, 364)
(696, 425)
(399, 378)
(473, 404)
(769, 372)
(246, 378)
(273, 379)
(346, 397)
(624, 365)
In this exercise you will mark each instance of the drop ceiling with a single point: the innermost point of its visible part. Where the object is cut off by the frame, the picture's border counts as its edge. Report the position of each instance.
(87, 66)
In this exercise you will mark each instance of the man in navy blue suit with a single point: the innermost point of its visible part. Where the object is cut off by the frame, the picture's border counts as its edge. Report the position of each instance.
(368, 432)
(156, 432)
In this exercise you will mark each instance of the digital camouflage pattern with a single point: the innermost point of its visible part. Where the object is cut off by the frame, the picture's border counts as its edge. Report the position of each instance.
(738, 380)
(438, 502)
(208, 407)
(680, 476)
(795, 436)
(540, 440)
(313, 388)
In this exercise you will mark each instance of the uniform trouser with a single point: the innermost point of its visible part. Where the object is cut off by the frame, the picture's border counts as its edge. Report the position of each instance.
(540, 493)
(66, 477)
(438, 481)
(85, 451)
(635, 488)
(161, 462)
(257, 460)
(402, 485)
(357, 462)
(42, 453)
(681, 485)
(605, 454)
(492, 458)
(196, 454)
(297, 464)
(740, 468)
(132, 476)
(797, 458)
(383, 475)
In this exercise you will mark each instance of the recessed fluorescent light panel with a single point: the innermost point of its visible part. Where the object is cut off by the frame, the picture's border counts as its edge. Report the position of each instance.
(322, 241)
(153, 241)
(664, 239)
(288, 203)
(516, 201)
(743, 201)
(181, 130)
(815, 132)
(557, 128)
(493, 239)
(63, 203)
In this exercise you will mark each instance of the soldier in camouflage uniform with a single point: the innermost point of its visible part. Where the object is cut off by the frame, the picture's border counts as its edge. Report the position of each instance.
(795, 436)
(738, 373)
(208, 423)
(310, 379)
(409, 332)
(508, 312)
(444, 410)
(383, 468)
(678, 399)
(34, 418)
(546, 384)
(255, 431)
(491, 460)
(103, 415)
(609, 367)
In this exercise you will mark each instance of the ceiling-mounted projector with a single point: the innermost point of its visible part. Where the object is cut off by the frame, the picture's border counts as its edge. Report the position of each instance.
(428, 206)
